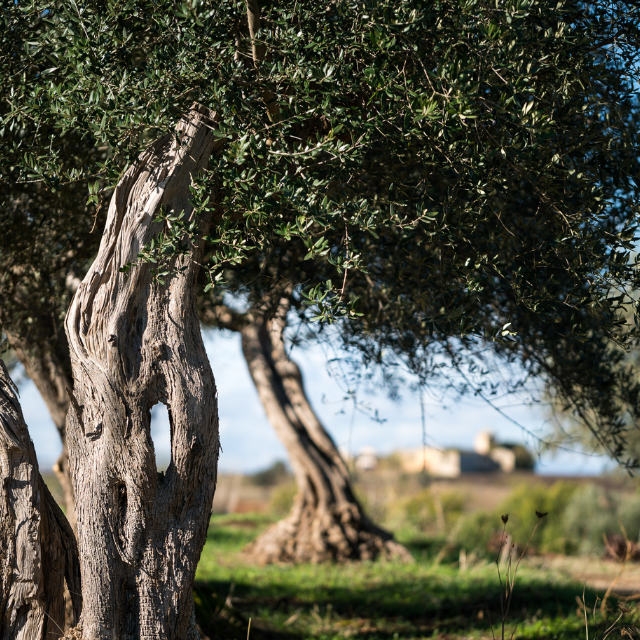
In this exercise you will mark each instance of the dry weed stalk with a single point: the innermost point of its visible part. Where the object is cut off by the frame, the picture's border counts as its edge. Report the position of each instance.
(506, 589)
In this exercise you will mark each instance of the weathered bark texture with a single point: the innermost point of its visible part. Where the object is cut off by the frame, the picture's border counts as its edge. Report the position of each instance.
(134, 343)
(51, 373)
(326, 521)
(38, 549)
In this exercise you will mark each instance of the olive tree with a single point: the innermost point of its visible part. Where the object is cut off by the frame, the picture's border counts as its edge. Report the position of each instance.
(326, 521)
(126, 357)
(317, 111)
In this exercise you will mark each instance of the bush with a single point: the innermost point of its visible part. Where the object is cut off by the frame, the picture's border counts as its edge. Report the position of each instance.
(480, 531)
(432, 512)
(551, 535)
(629, 514)
(391, 462)
(595, 512)
(477, 530)
(578, 519)
(524, 459)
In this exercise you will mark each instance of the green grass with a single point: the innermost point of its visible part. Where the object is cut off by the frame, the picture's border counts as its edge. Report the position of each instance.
(427, 599)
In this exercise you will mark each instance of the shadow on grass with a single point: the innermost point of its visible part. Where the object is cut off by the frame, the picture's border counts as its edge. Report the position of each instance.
(411, 607)
(218, 621)
(376, 601)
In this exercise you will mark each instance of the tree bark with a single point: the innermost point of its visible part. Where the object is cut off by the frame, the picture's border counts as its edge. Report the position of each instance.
(326, 521)
(50, 371)
(135, 342)
(38, 549)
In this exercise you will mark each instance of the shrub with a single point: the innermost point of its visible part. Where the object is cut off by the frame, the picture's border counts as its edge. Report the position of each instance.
(594, 513)
(477, 530)
(524, 459)
(481, 532)
(629, 514)
(522, 504)
(578, 519)
(433, 512)
(392, 462)
(589, 516)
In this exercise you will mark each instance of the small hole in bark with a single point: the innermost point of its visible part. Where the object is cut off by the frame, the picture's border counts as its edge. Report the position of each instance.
(122, 498)
(122, 514)
(160, 432)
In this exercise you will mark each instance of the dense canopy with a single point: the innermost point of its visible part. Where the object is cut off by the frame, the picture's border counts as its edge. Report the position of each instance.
(449, 169)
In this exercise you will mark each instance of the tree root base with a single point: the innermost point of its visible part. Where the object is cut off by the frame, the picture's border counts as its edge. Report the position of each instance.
(324, 539)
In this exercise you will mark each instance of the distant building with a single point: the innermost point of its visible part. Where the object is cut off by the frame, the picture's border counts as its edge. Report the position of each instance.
(367, 460)
(487, 457)
(483, 442)
(436, 462)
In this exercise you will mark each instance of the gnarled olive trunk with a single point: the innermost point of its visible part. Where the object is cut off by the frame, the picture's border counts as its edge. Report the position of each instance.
(135, 342)
(38, 549)
(50, 371)
(326, 521)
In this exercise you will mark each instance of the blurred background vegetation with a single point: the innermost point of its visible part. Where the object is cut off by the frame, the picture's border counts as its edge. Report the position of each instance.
(586, 516)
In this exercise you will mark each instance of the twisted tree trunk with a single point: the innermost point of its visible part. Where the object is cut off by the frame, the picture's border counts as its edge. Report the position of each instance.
(38, 549)
(135, 342)
(50, 371)
(326, 521)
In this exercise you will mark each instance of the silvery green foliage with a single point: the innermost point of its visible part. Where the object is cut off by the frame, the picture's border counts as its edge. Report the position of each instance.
(467, 167)
(469, 104)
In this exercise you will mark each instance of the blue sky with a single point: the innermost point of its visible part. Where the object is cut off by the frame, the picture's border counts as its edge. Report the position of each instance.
(249, 443)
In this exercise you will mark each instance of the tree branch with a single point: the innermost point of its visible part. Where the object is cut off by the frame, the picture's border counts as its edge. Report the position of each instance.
(259, 51)
(223, 317)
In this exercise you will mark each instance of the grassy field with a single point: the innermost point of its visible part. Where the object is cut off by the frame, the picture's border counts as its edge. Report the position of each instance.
(431, 598)
(434, 597)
